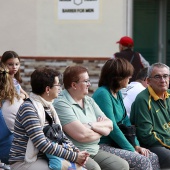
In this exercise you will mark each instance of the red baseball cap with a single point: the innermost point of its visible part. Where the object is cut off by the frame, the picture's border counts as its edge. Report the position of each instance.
(126, 41)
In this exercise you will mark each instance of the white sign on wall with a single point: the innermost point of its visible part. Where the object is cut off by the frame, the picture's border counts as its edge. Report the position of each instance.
(78, 9)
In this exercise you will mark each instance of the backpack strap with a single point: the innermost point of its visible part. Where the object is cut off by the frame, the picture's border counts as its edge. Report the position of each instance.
(47, 116)
(125, 113)
(132, 58)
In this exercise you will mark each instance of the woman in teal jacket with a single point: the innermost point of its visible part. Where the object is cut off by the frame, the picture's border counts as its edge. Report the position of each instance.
(115, 75)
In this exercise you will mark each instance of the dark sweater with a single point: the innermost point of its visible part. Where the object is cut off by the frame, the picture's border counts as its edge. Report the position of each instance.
(133, 58)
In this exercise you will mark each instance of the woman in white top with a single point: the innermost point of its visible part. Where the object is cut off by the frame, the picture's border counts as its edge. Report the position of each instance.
(10, 102)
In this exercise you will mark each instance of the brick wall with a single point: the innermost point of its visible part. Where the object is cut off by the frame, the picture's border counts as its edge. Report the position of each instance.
(29, 64)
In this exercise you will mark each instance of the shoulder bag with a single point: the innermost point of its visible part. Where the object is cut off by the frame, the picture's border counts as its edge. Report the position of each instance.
(128, 131)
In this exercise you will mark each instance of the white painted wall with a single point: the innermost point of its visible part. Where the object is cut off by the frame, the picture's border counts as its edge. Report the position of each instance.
(32, 28)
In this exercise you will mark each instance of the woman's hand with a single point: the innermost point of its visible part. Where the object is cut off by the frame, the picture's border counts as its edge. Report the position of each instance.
(82, 157)
(100, 118)
(142, 151)
(23, 94)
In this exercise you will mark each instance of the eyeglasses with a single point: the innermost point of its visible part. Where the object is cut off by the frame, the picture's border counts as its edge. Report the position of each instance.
(84, 81)
(159, 77)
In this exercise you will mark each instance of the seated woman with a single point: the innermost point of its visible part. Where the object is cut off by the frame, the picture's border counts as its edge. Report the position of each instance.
(83, 121)
(115, 75)
(9, 105)
(30, 145)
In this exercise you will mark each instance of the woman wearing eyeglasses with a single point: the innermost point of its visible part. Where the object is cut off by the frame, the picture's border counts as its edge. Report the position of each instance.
(30, 145)
(83, 121)
(115, 75)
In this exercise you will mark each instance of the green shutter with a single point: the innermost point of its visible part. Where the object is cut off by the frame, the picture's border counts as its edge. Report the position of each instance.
(168, 34)
(145, 28)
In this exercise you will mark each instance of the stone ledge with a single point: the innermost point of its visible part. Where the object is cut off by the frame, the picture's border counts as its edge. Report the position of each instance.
(29, 64)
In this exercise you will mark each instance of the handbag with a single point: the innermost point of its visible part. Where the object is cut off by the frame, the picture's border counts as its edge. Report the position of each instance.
(53, 131)
(55, 134)
(128, 131)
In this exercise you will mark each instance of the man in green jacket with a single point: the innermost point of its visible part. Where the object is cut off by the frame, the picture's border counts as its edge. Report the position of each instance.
(150, 113)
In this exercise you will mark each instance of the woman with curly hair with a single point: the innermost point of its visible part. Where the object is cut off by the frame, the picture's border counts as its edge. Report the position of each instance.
(10, 102)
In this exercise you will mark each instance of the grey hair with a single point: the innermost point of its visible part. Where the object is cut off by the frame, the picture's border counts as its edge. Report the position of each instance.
(159, 65)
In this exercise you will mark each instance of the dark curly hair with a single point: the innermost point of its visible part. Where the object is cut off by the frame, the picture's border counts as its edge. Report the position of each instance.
(43, 77)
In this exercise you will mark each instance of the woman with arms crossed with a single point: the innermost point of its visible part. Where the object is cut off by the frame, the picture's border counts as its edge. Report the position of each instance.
(83, 121)
(115, 75)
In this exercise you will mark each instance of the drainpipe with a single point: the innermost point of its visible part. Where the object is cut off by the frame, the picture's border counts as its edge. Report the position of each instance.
(129, 18)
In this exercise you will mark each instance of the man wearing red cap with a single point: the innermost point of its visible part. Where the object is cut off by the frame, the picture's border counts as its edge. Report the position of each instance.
(126, 51)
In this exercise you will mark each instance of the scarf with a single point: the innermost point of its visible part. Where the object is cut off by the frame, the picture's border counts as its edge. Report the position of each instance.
(39, 103)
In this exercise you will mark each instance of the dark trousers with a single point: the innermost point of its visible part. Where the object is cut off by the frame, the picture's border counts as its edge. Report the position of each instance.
(163, 155)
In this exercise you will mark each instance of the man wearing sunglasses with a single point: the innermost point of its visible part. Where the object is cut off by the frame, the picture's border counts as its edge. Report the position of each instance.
(150, 113)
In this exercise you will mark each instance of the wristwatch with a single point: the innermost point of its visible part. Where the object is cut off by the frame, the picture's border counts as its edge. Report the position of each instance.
(90, 124)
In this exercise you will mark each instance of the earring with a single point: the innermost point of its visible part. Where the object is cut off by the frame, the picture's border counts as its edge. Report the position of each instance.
(48, 94)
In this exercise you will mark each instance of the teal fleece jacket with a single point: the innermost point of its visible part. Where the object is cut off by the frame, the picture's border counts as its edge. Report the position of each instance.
(114, 109)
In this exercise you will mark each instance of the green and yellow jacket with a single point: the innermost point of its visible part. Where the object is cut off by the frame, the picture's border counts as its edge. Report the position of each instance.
(151, 115)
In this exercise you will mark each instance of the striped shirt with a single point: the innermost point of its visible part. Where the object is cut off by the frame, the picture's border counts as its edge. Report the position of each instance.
(27, 125)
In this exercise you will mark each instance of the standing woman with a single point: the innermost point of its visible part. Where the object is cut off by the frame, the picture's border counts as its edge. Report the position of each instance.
(10, 102)
(114, 76)
(30, 144)
(12, 61)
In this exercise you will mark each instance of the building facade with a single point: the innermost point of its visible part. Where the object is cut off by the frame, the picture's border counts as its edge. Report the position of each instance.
(52, 33)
